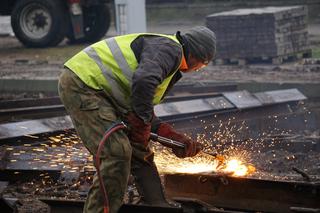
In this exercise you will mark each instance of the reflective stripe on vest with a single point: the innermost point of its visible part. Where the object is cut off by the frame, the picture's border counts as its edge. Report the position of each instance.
(117, 91)
(109, 65)
(118, 56)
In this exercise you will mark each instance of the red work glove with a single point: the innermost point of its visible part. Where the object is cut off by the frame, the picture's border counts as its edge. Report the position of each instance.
(139, 131)
(192, 147)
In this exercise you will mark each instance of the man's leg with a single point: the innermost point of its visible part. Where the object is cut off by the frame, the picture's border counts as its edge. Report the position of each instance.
(146, 176)
(91, 116)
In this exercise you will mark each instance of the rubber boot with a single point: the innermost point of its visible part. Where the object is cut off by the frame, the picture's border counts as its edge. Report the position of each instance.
(149, 185)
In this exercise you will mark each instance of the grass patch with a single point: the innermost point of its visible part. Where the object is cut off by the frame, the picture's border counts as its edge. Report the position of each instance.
(316, 53)
(58, 53)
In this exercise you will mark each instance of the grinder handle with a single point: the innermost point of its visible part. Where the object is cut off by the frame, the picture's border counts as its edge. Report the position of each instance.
(173, 144)
(166, 141)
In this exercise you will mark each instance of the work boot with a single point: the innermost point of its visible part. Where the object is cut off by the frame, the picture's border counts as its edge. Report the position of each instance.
(149, 185)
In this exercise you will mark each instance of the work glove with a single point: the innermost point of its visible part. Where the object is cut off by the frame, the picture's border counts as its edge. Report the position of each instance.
(139, 131)
(192, 147)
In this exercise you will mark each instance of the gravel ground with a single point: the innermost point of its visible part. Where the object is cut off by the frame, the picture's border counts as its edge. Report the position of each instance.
(18, 62)
(21, 68)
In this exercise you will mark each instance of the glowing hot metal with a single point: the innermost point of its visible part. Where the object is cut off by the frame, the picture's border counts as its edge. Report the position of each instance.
(238, 168)
(202, 163)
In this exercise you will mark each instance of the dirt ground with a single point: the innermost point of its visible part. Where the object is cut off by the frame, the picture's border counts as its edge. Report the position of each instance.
(18, 62)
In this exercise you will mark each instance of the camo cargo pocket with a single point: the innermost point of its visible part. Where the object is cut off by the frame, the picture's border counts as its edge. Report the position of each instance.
(118, 145)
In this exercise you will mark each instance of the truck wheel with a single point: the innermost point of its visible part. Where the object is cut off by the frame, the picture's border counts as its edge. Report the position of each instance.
(39, 23)
(96, 21)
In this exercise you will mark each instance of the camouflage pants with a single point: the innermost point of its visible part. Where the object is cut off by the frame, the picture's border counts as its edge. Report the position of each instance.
(92, 114)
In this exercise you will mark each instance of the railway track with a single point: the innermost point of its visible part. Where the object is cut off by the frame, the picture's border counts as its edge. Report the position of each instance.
(38, 143)
(31, 108)
(211, 193)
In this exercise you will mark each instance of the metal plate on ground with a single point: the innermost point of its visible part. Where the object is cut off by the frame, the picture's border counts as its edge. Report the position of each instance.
(280, 96)
(67, 206)
(193, 106)
(10, 130)
(3, 185)
(242, 99)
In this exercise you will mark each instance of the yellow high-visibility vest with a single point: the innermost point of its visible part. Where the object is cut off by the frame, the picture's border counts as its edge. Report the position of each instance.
(109, 65)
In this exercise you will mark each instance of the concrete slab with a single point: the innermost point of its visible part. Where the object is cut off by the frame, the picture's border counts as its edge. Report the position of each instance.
(5, 26)
(242, 99)
(280, 96)
(16, 129)
(193, 106)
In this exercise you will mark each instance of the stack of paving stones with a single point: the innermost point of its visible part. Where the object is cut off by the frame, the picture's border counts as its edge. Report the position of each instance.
(270, 34)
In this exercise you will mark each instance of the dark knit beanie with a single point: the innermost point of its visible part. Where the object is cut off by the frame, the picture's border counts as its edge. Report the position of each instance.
(201, 43)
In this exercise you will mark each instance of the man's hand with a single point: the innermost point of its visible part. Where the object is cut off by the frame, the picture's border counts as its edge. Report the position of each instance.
(192, 147)
(139, 132)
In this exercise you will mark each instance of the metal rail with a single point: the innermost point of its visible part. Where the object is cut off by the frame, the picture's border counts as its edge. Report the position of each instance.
(245, 193)
(15, 110)
(51, 107)
(240, 105)
(205, 188)
(212, 194)
(76, 206)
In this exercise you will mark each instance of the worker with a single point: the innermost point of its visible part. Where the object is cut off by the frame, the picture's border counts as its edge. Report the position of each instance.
(122, 78)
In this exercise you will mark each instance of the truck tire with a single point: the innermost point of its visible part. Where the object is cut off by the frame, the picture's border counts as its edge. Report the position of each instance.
(96, 21)
(39, 23)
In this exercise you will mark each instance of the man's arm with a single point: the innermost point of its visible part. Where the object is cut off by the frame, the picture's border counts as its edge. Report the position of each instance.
(159, 57)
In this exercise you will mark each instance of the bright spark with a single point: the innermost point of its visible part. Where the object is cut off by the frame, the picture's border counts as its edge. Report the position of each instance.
(236, 167)
(202, 163)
